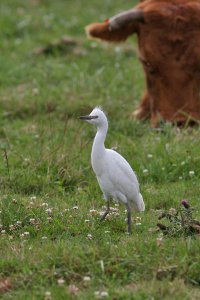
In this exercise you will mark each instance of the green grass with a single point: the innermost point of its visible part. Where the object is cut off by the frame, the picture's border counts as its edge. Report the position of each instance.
(45, 167)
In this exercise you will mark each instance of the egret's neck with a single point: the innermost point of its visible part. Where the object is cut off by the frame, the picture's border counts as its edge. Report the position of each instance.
(98, 148)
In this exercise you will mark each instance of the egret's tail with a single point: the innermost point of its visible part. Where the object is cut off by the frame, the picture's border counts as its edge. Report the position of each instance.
(140, 203)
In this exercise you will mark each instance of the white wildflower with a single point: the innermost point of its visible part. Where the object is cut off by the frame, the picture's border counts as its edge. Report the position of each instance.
(104, 294)
(86, 278)
(172, 211)
(32, 221)
(114, 209)
(47, 296)
(99, 294)
(138, 224)
(75, 207)
(191, 173)
(89, 236)
(117, 49)
(11, 227)
(93, 212)
(145, 172)
(60, 281)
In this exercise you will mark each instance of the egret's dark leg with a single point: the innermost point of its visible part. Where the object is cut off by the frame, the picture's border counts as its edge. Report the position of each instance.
(107, 210)
(129, 219)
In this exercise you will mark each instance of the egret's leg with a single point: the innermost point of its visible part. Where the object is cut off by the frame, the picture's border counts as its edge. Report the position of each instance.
(129, 218)
(107, 210)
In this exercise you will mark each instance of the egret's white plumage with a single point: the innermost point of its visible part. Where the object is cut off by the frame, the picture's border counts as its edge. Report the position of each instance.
(115, 176)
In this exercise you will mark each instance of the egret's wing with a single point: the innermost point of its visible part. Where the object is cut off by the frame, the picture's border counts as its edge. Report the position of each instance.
(121, 171)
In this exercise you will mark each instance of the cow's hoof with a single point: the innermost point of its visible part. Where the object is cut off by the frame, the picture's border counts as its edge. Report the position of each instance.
(140, 114)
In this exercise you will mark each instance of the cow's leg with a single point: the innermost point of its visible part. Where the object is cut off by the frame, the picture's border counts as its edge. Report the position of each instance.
(143, 112)
(156, 119)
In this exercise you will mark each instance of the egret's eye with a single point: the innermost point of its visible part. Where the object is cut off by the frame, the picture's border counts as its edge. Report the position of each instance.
(93, 117)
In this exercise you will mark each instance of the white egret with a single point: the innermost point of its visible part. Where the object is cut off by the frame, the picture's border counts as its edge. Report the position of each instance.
(115, 176)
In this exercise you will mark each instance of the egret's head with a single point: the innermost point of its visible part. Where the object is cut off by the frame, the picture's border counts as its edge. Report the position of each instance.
(96, 117)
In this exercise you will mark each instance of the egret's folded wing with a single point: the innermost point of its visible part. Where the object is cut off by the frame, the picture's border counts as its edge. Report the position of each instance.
(122, 172)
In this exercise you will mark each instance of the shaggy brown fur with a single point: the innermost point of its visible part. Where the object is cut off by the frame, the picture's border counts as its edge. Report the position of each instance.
(169, 49)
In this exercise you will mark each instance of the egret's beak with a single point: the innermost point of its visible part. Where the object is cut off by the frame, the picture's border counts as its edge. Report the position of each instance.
(88, 117)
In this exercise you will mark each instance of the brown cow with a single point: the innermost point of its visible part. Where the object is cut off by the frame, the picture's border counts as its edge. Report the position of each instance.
(168, 34)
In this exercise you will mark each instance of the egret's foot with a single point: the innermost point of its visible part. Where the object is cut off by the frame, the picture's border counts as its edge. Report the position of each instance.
(104, 215)
(129, 230)
(106, 212)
